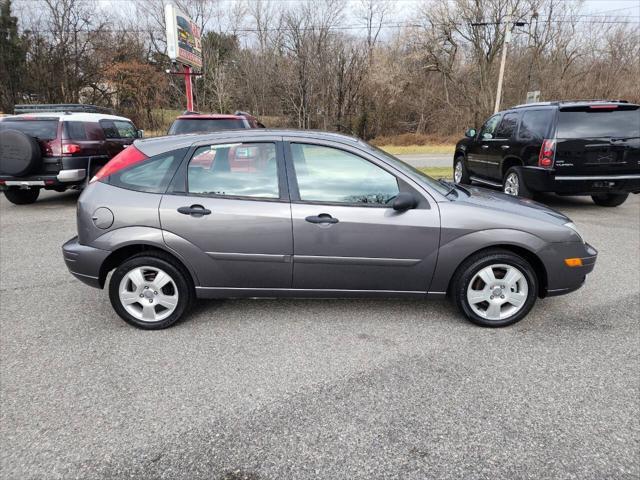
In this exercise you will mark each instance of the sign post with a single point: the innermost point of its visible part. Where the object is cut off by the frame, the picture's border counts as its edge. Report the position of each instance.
(183, 46)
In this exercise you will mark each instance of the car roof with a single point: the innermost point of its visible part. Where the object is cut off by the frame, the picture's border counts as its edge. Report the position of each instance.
(570, 103)
(210, 116)
(158, 145)
(74, 116)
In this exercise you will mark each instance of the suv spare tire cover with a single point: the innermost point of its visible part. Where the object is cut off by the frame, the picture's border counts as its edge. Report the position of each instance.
(20, 153)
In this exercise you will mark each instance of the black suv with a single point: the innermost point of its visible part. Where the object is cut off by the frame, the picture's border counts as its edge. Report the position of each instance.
(569, 148)
(57, 150)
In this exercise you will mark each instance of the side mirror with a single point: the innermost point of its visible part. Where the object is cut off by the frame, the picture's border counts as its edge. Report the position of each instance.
(470, 133)
(404, 201)
(140, 134)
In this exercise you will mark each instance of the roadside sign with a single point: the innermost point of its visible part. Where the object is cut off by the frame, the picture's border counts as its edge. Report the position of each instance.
(183, 38)
(533, 97)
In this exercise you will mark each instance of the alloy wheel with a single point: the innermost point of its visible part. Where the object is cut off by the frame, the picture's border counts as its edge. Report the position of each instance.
(457, 172)
(497, 292)
(512, 184)
(148, 294)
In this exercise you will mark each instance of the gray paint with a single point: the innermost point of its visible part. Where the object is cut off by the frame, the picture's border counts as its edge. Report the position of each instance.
(266, 248)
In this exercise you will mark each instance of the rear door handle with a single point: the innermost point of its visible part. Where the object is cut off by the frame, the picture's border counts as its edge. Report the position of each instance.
(484, 147)
(322, 218)
(505, 147)
(194, 211)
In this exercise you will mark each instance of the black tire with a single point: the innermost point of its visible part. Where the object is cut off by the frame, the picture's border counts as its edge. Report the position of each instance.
(472, 265)
(22, 196)
(610, 199)
(522, 189)
(173, 268)
(20, 153)
(466, 179)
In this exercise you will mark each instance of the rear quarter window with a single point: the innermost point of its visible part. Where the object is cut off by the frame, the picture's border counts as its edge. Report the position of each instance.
(152, 175)
(536, 124)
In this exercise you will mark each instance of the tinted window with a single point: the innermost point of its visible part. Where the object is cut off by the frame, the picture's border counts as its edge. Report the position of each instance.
(181, 126)
(327, 174)
(508, 126)
(109, 128)
(75, 130)
(599, 123)
(118, 129)
(489, 128)
(41, 129)
(237, 170)
(535, 124)
(125, 129)
(152, 175)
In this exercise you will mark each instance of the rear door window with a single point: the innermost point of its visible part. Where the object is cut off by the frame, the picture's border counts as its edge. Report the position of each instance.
(536, 124)
(599, 124)
(40, 129)
(508, 126)
(235, 170)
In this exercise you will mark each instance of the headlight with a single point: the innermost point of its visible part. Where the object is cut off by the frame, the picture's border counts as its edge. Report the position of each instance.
(573, 227)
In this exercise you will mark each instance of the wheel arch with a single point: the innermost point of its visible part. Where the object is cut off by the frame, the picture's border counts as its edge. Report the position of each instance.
(530, 256)
(124, 252)
(508, 162)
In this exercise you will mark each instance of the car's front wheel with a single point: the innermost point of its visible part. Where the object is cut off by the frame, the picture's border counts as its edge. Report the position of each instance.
(150, 291)
(495, 288)
(460, 173)
(610, 199)
(22, 196)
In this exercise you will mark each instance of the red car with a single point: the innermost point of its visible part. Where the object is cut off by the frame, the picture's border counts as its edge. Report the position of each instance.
(194, 122)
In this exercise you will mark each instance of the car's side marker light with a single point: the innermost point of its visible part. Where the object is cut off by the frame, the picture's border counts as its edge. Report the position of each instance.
(573, 262)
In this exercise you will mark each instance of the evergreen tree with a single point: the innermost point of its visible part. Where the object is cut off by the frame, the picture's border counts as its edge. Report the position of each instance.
(12, 58)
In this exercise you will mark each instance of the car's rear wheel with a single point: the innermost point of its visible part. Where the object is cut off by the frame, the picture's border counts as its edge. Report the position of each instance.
(22, 196)
(610, 199)
(460, 173)
(495, 288)
(150, 291)
(513, 184)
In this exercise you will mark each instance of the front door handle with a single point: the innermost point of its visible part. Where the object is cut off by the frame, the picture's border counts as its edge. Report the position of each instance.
(484, 147)
(194, 211)
(322, 218)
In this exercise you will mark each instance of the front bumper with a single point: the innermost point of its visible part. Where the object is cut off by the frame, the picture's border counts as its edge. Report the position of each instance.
(547, 180)
(84, 262)
(62, 178)
(562, 279)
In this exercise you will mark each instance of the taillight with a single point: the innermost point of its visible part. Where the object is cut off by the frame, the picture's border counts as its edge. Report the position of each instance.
(70, 148)
(547, 153)
(129, 156)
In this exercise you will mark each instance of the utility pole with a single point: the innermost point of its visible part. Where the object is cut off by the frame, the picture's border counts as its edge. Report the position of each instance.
(505, 46)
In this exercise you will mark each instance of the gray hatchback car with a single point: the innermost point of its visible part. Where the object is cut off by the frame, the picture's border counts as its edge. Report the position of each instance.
(308, 214)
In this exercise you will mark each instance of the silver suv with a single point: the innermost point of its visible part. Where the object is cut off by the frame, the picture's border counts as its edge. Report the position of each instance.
(259, 213)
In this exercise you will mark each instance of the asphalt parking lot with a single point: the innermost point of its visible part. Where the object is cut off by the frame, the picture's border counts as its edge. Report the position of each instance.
(274, 389)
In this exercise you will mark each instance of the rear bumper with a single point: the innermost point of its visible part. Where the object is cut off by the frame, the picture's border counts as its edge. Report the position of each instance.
(62, 178)
(84, 262)
(562, 279)
(545, 180)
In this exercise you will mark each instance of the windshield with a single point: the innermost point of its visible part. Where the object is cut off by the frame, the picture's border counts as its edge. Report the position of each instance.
(410, 171)
(41, 129)
(183, 125)
(599, 123)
